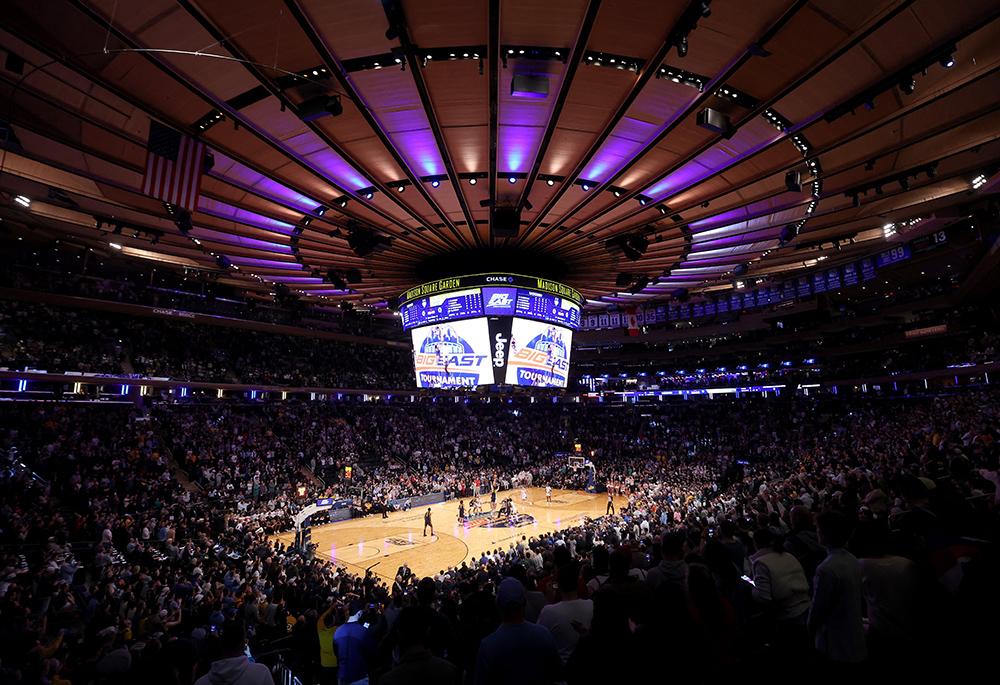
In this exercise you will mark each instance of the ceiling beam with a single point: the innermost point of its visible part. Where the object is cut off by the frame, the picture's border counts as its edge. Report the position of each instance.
(210, 101)
(797, 83)
(417, 74)
(337, 69)
(278, 94)
(493, 56)
(676, 120)
(572, 65)
(897, 116)
(648, 71)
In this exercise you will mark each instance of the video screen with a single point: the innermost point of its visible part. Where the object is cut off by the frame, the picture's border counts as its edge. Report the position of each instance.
(538, 354)
(454, 354)
(460, 304)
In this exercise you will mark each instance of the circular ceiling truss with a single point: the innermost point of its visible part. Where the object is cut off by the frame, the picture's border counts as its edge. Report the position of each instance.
(669, 147)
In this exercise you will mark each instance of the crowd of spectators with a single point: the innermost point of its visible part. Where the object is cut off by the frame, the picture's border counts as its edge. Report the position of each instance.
(53, 338)
(868, 528)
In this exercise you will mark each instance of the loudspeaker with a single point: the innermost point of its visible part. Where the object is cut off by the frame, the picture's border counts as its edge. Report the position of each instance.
(353, 276)
(529, 86)
(317, 108)
(506, 222)
(740, 269)
(623, 280)
(788, 233)
(717, 122)
(793, 181)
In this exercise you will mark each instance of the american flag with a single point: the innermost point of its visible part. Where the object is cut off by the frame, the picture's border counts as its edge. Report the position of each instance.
(174, 165)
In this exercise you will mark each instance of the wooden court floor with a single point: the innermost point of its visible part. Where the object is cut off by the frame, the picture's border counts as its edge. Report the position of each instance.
(385, 544)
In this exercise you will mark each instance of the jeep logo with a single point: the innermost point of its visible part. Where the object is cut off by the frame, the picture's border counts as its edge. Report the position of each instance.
(498, 350)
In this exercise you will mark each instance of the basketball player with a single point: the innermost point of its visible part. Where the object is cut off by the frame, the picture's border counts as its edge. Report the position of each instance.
(427, 522)
(524, 496)
(493, 501)
(548, 494)
(461, 511)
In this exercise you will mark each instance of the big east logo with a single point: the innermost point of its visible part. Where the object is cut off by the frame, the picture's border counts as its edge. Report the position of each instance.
(499, 300)
(449, 360)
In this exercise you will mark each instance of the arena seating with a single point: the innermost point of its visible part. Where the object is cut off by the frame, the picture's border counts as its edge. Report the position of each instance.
(127, 538)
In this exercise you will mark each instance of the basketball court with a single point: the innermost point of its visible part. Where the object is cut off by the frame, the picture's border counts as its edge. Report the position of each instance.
(385, 544)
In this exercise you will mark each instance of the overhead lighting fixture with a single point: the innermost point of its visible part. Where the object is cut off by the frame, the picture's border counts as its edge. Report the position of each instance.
(435, 184)
(321, 210)
(585, 187)
(512, 180)
(888, 231)
(400, 189)
(118, 230)
(115, 246)
(947, 62)
(369, 195)
(472, 181)
(682, 46)
(617, 193)
(979, 181)
(22, 200)
(662, 209)
(550, 182)
(908, 85)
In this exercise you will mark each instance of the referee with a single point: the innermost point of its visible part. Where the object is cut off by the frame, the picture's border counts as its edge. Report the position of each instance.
(611, 505)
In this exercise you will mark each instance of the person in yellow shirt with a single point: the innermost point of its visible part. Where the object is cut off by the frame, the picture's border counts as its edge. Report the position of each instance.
(326, 626)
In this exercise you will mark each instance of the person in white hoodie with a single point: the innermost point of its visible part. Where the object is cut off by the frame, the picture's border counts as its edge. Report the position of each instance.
(235, 668)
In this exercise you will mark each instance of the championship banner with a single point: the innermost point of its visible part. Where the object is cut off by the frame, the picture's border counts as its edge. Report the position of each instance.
(632, 321)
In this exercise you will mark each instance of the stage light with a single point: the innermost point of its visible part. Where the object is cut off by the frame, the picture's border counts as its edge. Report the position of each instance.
(682, 47)
(586, 187)
(947, 62)
(857, 201)
(472, 181)
(907, 85)
(869, 105)
(321, 210)
(663, 210)
(904, 183)
(617, 193)
(512, 180)
(22, 200)
(400, 189)
(115, 245)
(369, 196)
(550, 182)
(118, 230)
(435, 184)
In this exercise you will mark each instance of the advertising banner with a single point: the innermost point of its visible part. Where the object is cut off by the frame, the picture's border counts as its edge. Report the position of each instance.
(539, 354)
(453, 355)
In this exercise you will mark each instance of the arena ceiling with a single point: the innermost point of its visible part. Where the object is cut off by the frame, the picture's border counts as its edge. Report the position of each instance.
(893, 103)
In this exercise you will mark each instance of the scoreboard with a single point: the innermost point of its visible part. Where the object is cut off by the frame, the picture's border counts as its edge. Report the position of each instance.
(491, 329)
(491, 301)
